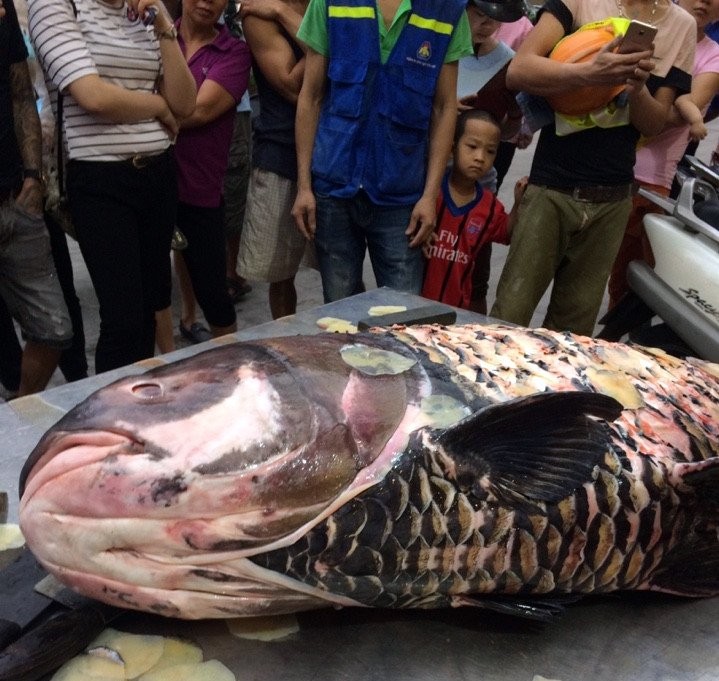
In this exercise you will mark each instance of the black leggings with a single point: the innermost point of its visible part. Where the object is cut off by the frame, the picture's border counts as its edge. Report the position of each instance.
(124, 217)
(205, 258)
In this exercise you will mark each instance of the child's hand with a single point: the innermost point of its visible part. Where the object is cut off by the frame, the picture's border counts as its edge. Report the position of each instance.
(466, 103)
(697, 131)
(524, 137)
(427, 245)
(519, 188)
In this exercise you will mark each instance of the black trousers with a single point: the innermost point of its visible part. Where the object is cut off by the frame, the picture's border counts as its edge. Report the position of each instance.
(10, 351)
(73, 361)
(124, 217)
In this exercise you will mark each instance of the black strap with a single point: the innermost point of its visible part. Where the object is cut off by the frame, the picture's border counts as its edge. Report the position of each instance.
(60, 146)
(60, 150)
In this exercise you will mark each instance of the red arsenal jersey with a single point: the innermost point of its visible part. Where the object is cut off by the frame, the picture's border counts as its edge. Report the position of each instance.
(461, 232)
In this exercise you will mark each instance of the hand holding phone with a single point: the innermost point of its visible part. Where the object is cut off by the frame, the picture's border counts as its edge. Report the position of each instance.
(148, 17)
(638, 38)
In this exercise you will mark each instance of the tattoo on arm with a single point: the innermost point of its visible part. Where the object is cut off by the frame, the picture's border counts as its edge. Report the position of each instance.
(27, 122)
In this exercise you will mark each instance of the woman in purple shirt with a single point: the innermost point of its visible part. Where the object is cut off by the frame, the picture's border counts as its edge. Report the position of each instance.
(220, 64)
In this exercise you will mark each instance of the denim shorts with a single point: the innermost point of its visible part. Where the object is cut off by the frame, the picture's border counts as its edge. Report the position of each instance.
(28, 281)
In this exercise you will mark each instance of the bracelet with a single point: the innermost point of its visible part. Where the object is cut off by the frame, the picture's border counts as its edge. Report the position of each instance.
(32, 173)
(167, 34)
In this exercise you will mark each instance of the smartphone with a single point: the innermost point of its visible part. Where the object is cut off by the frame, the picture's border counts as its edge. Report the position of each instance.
(148, 18)
(638, 38)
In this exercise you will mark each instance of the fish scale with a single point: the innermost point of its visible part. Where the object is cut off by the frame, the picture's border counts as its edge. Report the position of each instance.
(514, 564)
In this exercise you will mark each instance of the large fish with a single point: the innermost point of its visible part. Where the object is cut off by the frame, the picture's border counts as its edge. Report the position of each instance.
(415, 467)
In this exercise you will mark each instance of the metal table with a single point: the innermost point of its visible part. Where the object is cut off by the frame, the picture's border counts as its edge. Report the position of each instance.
(632, 636)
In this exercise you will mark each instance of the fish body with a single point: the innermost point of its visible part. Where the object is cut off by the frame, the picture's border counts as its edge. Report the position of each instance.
(423, 466)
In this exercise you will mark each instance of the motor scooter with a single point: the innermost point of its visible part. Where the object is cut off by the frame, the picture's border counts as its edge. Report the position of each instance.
(675, 305)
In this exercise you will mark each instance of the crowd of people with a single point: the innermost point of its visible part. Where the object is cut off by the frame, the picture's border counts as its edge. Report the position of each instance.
(383, 127)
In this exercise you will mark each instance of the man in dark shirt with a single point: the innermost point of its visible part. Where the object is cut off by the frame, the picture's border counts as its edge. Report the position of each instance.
(271, 248)
(28, 282)
(573, 215)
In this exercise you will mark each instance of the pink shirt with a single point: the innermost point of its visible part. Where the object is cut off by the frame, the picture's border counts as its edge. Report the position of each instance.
(201, 153)
(514, 32)
(657, 159)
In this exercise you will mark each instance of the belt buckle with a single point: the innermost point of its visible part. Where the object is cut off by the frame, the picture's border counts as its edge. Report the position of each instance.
(139, 161)
(584, 194)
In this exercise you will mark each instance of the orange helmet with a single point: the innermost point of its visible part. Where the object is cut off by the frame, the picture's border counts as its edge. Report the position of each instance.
(581, 46)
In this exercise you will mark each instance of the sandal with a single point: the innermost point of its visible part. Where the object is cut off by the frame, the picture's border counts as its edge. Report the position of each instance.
(237, 289)
(196, 333)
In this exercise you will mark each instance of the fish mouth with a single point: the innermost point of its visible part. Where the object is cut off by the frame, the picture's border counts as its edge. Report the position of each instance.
(91, 445)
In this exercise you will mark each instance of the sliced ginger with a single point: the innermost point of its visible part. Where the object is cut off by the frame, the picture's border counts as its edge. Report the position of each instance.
(212, 670)
(261, 628)
(120, 656)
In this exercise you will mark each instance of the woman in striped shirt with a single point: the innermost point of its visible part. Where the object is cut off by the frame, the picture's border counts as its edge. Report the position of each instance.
(124, 86)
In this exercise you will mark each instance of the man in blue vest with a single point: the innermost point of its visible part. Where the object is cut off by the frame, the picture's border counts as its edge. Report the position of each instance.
(375, 119)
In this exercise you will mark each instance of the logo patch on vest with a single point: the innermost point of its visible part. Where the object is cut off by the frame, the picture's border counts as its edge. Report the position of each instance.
(425, 51)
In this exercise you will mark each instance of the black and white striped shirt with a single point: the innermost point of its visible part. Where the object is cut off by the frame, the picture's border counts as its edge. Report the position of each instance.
(100, 40)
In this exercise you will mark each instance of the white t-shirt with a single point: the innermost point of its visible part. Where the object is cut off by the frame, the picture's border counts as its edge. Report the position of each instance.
(99, 40)
(474, 73)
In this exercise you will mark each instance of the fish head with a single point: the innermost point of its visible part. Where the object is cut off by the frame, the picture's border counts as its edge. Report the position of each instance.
(159, 480)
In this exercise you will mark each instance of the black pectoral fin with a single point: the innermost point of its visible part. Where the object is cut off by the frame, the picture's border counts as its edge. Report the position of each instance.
(544, 610)
(536, 448)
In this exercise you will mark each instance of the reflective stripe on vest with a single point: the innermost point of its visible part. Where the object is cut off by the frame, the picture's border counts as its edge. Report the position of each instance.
(430, 24)
(344, 12)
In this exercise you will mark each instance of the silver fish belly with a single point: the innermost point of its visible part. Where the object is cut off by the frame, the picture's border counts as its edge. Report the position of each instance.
(419, 467)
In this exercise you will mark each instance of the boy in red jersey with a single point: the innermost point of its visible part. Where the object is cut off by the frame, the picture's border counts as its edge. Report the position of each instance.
(468, 216)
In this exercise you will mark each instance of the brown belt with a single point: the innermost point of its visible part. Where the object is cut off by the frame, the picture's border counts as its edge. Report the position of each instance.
(598, 193)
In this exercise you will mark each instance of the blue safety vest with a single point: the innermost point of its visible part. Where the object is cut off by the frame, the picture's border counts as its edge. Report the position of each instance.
(373, 128)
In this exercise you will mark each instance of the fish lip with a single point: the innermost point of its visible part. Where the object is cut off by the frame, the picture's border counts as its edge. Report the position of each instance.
(56, 442)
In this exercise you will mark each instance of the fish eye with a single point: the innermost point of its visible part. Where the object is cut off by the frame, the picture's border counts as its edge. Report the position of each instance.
(147, 390)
